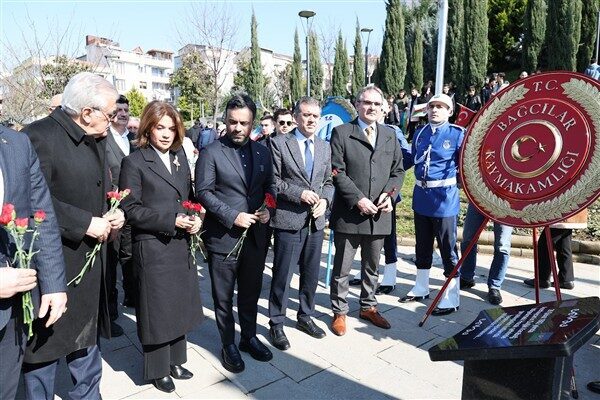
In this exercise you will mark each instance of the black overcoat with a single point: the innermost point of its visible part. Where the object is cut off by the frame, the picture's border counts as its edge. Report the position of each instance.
(169, 304)
(363, 171)
(74, 167)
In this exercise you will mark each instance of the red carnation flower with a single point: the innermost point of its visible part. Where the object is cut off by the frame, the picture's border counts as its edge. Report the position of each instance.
(334, 172)
(113, 195)
(39, 216)
(270, 201)
(197, 207)
(8, 209)
(187, 205)
(5, 218)
(22, 223)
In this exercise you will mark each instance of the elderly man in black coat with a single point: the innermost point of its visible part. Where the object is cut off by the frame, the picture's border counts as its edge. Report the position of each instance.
(71, 148)
(368, 161)
(233, 175)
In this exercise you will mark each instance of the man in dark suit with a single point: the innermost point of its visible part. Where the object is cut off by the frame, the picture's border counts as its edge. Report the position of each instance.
(71, 146)
(118, 146)
(233, 174)
(368, 161)
(22, 185)
(302, 169)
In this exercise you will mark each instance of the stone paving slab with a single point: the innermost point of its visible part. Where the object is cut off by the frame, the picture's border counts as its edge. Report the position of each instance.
(366, 363)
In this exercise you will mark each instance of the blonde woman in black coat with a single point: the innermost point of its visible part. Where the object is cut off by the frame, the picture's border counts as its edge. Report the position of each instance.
(169, 305)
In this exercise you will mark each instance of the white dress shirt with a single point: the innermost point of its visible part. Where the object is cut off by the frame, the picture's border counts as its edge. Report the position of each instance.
(164, 157)
(121, 139)
(302, 143)
(364, 126)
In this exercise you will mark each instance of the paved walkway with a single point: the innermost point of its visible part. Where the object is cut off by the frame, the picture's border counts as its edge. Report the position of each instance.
(366, 363)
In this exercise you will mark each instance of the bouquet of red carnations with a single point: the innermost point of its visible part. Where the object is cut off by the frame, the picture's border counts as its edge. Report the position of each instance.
(194, 210)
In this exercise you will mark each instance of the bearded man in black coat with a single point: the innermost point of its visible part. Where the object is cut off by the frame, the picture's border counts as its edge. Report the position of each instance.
(71, 146)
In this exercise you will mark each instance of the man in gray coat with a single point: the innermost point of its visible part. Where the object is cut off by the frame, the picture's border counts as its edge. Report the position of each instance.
(302, 169)
(368, 162)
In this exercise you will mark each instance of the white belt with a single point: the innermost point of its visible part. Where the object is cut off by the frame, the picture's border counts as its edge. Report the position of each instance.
(435, 184)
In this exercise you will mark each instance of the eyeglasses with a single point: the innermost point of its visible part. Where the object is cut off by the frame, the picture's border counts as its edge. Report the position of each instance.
(288, 123)
(371, 103)
(109, 117)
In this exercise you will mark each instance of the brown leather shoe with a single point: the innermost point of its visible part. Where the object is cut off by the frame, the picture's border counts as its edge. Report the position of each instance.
(338, 326)
(377, 319)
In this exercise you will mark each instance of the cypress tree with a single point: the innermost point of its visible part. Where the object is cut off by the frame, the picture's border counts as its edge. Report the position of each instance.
(416, 55)
(534, 33)
(476, 44)
(256, 82)
(296, 89)
(316, 70)
(358, 67)
(341, 70)
(563, 33)
(393, 53)
(455, 43)
(589, 20)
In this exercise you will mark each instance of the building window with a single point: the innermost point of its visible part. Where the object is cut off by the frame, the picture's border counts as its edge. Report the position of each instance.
(143, 85)
(158, 72)
(142, 69)
(120, 84)
(160, 86)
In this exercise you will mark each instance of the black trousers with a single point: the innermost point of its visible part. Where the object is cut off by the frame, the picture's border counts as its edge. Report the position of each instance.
(159, 357)
(295, 248)
(12, 346)
(119, 251)
(247, 272)
(428, 229)
(561, 240)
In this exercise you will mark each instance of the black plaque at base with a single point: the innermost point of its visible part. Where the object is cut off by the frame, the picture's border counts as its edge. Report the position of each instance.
(522, 352)
(529, 378)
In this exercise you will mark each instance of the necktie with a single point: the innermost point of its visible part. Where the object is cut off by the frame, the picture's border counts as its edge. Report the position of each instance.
(308, 159)
(369, 132)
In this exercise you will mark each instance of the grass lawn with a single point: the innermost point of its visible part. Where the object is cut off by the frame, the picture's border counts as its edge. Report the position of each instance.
(405, 226)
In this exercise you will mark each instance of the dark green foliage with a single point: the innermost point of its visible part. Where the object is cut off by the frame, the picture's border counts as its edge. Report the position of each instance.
(414, 75)
(476, 44)
(534, 31)
(256, 82)
(589, 28)
(316, 69)
(563, 33)
(296, 89)
(392, 67)
(358, 67)
(504, 33)
(455, 43)
(192, 79)
(341, 69)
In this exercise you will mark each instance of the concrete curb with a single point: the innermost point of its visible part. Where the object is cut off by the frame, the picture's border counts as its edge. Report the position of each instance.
(521, 246)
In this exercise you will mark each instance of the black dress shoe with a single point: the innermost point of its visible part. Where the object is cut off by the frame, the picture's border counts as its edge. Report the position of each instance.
(178, 372)
(408, 299)
(531, 282)
(116, 330)
(355, 282)
(231, 359)
(256, 349)
(594, 386)
(279, 339)
(309, 327)
(494, 297)
(443, 311)
(384, 289)
(568, 285)
(466, 284)
(164, 384)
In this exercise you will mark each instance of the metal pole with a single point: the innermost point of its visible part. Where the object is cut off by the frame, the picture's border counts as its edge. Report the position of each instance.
(367, 63)
(441, 50)
(307, 65)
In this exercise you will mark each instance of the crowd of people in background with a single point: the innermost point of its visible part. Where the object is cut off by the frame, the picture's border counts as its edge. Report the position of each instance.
(277, 184)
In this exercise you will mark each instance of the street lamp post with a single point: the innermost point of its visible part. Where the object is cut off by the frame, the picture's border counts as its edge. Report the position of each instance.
(308, 14)
(368, 32)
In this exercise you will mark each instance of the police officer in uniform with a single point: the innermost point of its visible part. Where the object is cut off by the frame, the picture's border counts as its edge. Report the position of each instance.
(436, 149)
